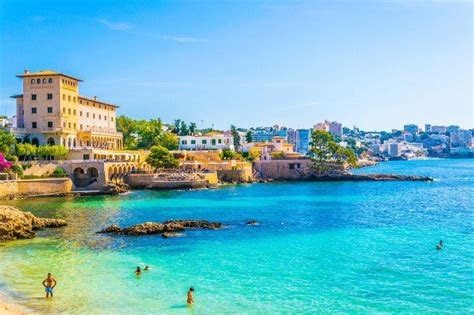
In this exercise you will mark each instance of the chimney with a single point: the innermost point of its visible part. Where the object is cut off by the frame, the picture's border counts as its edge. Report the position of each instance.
(27, 71)
(95, 98)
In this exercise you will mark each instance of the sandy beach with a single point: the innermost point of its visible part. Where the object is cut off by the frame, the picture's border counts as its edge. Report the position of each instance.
(7, 309)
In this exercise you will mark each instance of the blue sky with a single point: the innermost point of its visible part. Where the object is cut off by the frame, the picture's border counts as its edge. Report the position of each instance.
(376, 64)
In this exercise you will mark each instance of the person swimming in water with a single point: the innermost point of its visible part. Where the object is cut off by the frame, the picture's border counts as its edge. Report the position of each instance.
(191, 296)
(440, 245)
(49, 283)
(138, 272)
(146, 268)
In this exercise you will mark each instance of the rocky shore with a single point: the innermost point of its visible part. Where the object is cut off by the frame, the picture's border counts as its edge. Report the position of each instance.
(366, 177)
(166, 229)
(16, 224)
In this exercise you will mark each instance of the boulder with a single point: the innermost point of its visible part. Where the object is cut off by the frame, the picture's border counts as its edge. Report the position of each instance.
(16, 224)
(171, 234)
(252, 222)
(170, 227)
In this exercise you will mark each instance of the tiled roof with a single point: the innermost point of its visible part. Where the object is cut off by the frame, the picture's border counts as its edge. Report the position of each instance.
(97, 101)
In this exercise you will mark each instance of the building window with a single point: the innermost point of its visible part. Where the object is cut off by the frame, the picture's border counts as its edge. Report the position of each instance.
(69, 98)
(100, 117)
(111, 118)
(74, 99)
(75, 126)
(34, 125)
(69, 125)
(50, 110)
(93, 115)
(204, 141)
(193, 141)
(80, 113)
(105, 117)
(64, 124)
(291, 166)
(50, 80)
(50, 96)
(33, 110)
(219, 141)
(81, 126)
(87, 115)
(33, 97)
(50, 124)
(38, 81)
(184, 142)
(69, 111)
(32, 81)
(74, 112)
(86, 157)
(44, 81)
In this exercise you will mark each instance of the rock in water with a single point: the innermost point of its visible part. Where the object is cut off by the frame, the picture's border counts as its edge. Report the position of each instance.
(16, 224)
(170, 227)
(252, 222)
(171, 234)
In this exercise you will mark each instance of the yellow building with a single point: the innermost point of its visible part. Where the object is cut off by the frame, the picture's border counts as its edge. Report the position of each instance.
(51, 111)
(276, 149)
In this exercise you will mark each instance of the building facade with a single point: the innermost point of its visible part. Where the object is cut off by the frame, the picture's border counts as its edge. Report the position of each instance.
(300, 138)
(333, 128)
(209, 141)
(51, 111)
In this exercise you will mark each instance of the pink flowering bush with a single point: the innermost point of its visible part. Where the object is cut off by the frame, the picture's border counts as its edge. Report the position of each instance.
(4, 164)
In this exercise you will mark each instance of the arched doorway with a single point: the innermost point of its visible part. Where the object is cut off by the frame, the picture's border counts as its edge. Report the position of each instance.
(92, 175)
(51, 141)
(35, 141)
(79, 177)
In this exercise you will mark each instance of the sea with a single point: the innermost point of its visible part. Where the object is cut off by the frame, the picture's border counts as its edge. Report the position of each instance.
(333, 247)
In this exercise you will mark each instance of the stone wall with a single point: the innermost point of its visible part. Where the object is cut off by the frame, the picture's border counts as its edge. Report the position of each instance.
(292, 169)
(44, 186)
(239, 176)
(8, 189)
(153, 181)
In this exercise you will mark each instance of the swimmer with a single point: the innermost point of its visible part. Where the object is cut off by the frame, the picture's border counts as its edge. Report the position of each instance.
(138, 272)
(440, 245)
(191, 296)
(49, 283)
(146, 268)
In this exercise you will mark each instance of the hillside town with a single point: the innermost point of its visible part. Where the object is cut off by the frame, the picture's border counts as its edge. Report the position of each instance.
(61, 141)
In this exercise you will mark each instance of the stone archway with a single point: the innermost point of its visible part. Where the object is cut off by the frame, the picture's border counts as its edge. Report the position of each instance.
(35, 141)
(50, 141)
(80, 178)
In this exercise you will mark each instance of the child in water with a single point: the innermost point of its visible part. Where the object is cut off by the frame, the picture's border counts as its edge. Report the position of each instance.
(191, 296)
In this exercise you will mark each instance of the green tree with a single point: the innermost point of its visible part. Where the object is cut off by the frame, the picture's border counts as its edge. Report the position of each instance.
(160, 158)
(7, 141)
(235, 136)
(50, 152)
(324, 150)
(168, 140)
(177, 126)
(192, 128)
(25, 150)
(249, 136)
(184, 130)
(128, 127)
(148, 131)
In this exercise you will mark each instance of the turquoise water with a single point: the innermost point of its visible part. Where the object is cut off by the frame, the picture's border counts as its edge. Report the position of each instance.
(320, 247)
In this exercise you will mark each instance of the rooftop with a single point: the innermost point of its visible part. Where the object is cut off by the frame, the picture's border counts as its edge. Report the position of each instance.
(27, 73)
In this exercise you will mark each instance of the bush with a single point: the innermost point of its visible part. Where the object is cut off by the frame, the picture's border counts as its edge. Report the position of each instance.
(59, 172)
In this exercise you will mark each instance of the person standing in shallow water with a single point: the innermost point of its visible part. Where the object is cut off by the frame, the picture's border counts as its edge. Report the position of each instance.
(191, 296)
(138, 272)
(49, 283)
(440, 245)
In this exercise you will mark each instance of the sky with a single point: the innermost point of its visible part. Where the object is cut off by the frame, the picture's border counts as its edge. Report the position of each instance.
(374, 64)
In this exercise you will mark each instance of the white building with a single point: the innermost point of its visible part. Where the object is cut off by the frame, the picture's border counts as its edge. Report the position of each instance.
(393, 149)
(209, 141)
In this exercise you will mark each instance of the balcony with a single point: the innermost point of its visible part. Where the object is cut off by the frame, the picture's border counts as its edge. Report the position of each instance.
(51, 129)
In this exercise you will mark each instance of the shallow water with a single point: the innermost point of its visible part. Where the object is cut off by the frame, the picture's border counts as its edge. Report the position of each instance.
(332, 247)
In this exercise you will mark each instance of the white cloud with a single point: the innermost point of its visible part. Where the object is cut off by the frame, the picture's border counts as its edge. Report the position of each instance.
(183, 39)
(116, 26)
